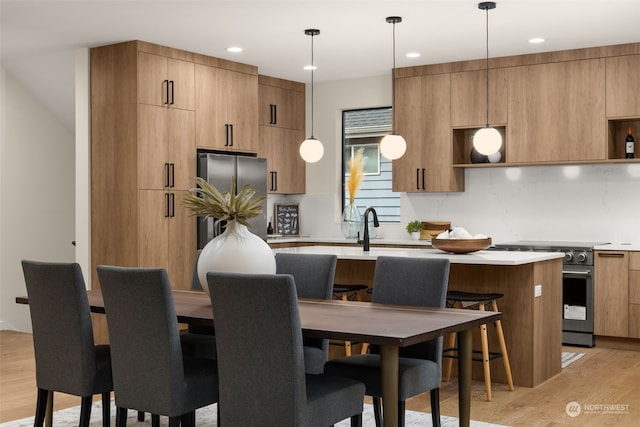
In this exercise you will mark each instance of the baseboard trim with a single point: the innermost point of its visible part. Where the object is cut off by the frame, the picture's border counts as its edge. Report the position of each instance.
(618, 343)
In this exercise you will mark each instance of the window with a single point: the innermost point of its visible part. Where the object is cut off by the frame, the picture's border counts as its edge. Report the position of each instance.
(364, 129)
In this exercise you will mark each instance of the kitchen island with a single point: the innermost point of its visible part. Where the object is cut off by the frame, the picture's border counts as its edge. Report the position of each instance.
(532, 324)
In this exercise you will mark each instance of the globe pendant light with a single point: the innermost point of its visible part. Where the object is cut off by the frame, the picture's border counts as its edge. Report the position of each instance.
(311, 149)
(487, 140)
(393, 146)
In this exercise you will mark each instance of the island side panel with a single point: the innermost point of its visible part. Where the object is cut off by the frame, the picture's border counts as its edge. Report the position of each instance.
(548, 320)
(532, 326)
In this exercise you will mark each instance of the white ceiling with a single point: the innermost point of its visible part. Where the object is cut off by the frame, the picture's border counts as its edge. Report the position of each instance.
(39, 38)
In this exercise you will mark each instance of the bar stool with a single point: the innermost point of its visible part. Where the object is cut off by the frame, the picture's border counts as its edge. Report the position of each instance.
(348, 293)
(478, 301)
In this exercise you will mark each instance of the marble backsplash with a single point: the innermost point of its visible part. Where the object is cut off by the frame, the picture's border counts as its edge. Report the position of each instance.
(577, 202)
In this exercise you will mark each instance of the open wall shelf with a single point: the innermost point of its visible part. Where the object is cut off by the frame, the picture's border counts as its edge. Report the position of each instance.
(463, 146)
(616, 134)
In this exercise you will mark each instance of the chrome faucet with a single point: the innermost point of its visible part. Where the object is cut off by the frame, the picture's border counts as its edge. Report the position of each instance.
(365, 239)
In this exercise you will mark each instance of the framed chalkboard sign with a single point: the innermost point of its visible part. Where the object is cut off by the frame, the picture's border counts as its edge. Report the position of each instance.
(287, 219)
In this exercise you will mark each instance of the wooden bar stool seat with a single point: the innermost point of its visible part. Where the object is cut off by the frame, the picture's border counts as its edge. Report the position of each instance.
(348, 293)
(478, 301)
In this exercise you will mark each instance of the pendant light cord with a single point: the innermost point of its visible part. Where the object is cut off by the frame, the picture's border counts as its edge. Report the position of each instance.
(393, 110)
(312, 67)
(487, 39)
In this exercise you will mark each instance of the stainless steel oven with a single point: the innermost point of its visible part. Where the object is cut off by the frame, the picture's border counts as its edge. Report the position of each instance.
(577, 286)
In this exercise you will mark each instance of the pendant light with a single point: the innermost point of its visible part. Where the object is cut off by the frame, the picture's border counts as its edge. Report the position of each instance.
(393, 146)
(311, 149)
(487, 140)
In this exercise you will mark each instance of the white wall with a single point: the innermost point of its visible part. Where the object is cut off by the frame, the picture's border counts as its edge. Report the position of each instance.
(601, 203)
(36, 194)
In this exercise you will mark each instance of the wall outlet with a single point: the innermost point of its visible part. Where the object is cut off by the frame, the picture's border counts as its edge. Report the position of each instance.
(537, 291)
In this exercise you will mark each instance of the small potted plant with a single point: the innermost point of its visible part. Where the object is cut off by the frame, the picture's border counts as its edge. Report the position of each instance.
(414, 228)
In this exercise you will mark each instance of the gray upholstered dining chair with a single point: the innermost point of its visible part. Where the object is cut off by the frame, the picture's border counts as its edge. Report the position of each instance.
(314, 276)
(198, 340)
(149, 371)
(411, 282)
(66, 358)
(261, 361)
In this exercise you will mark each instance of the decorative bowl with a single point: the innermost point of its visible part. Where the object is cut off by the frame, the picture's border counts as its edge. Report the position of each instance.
(431, 229)
(461, 246)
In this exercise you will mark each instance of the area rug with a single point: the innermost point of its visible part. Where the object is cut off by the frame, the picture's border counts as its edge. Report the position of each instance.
(568, 358)
(207, 417)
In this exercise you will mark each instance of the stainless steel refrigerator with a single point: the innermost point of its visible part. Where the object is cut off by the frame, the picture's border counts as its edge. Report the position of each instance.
(218, 170)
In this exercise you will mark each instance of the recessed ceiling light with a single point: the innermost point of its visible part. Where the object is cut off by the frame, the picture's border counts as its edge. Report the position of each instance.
(310, 67)
(413, 55)
(234, 49)
(536, 40)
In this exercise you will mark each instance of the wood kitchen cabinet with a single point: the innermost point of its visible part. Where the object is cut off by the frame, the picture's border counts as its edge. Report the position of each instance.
(167, 148)
(286, 171)
(611, 294)
(623, 86)
(281, 103)
(142, 159)
(162, 239)
(423, 118)
(226, 109)
(556, 112)
(165, 81)
(634, 294)
(469, 98)
(281, 131)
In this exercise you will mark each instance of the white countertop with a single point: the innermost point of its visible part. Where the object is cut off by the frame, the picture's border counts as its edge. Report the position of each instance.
(480, 257)
(296, 239)
(618, 247)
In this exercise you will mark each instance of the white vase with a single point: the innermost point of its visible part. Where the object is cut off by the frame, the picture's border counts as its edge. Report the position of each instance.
(415, 235)
(236, 250)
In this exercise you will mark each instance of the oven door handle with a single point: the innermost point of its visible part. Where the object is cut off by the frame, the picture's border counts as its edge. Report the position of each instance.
(577, 273)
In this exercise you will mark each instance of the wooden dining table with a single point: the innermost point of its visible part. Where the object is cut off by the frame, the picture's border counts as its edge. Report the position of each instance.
(389, 326)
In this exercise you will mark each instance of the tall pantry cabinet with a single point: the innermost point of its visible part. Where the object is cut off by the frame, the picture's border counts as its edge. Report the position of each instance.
(143, 157)
(281, 130)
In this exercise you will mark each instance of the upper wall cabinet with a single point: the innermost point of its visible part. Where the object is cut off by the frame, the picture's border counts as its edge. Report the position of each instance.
(422, 117)
(623, 86)
(165, 81)
(282, 103)
(469, 98)
(226, 109)
(556, 112)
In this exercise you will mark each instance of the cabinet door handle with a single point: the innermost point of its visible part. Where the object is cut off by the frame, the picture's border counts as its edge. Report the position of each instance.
(275, 114)
(270, 180)
(172, 177)
(231, 126)
(166, 205)
(423, 186)
(172, 99)
(172, 203)
(270, 114)
(275, 175)
(226, 128)
(165, 101)
(166, 175)
(610, 255)
(417, 178)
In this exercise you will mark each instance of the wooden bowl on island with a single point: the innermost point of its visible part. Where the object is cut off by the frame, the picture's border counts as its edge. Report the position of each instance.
(461, 246)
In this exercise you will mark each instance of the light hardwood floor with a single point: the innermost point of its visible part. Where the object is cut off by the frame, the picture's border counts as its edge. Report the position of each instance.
(602, 377)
